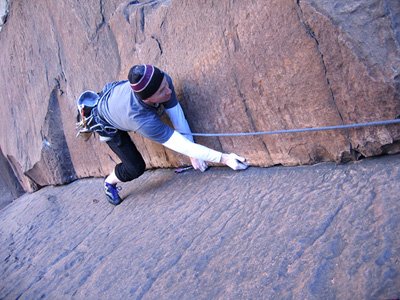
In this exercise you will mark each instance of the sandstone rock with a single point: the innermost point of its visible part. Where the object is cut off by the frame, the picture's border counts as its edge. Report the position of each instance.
(10, 188)
(4, 9)
(237, 67)
(316, 232)
(363, 74)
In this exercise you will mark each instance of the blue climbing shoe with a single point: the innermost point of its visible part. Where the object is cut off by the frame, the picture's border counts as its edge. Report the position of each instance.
(111, 191)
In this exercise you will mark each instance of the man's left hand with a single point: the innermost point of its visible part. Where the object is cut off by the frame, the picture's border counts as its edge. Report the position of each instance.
(199, 164)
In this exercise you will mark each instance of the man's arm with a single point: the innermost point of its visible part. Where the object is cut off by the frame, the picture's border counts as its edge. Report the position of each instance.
(179, 143)
(179, 121)
(181, 125)
(198, 154)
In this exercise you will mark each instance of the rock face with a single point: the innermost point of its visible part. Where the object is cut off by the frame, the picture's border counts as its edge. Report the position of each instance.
(314, 232)
(10, 188)
(237, 67)
(4, 9)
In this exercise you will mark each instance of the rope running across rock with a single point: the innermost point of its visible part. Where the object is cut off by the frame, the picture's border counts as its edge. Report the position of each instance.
(284, 131)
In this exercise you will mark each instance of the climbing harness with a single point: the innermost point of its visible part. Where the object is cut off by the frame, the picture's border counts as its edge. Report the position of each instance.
(90, 120)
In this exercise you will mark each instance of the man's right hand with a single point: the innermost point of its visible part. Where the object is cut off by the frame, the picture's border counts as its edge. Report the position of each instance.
(199, 164)
(234, 161)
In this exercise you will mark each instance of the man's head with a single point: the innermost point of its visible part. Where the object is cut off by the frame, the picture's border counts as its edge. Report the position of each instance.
(149, 83)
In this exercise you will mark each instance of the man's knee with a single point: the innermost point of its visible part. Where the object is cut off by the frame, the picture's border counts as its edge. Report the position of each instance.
(128, 172)
(139, 167)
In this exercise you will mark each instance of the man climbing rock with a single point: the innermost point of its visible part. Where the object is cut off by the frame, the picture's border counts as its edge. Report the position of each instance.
(134, 105)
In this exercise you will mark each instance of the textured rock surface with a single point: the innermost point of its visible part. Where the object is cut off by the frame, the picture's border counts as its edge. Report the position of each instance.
(4, 9)
(317, 232)
(362, 73)
(238, 66)
(10, 188)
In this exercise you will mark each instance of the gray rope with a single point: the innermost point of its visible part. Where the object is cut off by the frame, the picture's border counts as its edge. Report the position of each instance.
(335, 127)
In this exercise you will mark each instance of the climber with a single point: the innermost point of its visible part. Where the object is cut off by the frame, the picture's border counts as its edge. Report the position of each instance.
(135, 105)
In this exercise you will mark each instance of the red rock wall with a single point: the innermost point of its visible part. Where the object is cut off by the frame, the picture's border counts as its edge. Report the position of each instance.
(237, 67)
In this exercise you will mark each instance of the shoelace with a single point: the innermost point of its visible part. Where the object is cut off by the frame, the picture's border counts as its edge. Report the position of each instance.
(113, 188)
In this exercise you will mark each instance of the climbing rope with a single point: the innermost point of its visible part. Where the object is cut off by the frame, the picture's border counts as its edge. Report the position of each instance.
(325, 128)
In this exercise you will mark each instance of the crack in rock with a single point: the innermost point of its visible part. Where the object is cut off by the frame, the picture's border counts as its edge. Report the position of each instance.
(312, 34)
(133, 5)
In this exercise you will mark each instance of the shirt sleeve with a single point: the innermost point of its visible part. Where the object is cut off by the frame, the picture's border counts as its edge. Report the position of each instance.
(179, 121)
(156, 130)
(179, 143)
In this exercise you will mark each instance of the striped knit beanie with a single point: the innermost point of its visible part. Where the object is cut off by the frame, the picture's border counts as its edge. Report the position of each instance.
(145, 80)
